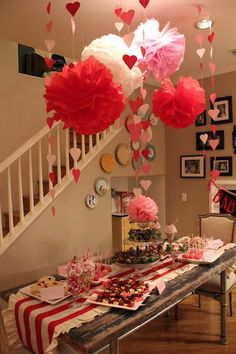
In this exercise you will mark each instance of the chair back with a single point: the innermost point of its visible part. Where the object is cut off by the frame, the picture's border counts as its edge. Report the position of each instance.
(216, 225)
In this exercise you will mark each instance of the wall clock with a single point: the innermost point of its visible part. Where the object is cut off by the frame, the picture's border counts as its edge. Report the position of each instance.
(91, 200)
(101, 185)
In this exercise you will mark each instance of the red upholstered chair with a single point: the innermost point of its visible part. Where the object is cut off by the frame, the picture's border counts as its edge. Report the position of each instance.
(221, 226)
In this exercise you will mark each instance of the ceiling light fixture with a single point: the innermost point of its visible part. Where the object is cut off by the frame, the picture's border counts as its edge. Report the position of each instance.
(203, 24)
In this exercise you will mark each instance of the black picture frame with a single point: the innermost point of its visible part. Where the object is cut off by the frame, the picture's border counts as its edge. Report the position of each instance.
(201, 119)
(192, 166)
(224, 164)
(218, 135)
(224, 104)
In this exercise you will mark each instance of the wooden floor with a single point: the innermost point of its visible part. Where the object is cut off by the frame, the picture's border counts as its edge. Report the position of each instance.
(195, 332)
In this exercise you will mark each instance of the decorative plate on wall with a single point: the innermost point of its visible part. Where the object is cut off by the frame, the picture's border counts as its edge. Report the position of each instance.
(153, 120)
(152, 152)
(123, 154)
(101, 185)
(107, 163)
(91, 200)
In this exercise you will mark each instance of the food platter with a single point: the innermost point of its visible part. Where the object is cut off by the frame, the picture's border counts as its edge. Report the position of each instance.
(27, 291)
(209, 258)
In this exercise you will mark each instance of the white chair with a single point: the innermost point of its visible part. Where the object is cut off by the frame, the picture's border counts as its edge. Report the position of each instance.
(221, 226)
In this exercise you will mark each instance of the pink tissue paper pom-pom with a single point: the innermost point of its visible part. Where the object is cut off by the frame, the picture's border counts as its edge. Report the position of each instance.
(164, 50)
(142, 209)
(178, 107)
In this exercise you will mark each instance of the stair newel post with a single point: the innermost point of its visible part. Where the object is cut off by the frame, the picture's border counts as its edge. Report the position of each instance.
(31, 187)
(40, 173)
(97, 138)
(21, 205)
(58, 155)
(67, 151)
(90, 142)
(1, 232)
(10, 208)
(83, 145)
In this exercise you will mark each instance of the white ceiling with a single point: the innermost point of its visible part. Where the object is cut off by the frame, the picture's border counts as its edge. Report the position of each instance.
(24, 21)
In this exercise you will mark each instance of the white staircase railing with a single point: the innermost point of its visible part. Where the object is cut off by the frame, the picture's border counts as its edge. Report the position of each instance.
(27, 170)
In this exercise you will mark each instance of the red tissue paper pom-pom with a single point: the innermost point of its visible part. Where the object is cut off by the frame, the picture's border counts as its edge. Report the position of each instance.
(178, 107)
(84, 97)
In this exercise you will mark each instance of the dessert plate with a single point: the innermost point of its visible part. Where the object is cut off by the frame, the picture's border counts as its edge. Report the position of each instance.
(26, 290)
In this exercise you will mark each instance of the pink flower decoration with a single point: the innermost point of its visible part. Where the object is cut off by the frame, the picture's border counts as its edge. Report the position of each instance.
(178, 107)
(142, 209)
(164, 50)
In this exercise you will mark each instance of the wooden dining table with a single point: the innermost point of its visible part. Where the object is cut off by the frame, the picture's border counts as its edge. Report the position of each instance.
(106, 331)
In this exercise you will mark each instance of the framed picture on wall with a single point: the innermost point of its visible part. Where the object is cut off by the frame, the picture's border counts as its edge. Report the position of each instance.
(224, 105)
(222, 164)
(201, 119)
(192, 166)
(218, 135)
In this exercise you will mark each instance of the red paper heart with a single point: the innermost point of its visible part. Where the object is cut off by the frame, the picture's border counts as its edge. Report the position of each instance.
(128, 38)
(135, 104)
(211, 37)
(136, 155)
(72, 8)
(143, 50)
(50, 122)
(76, 174)
(135, 131)
(145, 124)
(144, 3)
(50, 62)
(127, 16)
(215, 174)
(146, 169)
(49, 7)
(49, 26)
(129, 60)
(118, 11)
(52, 177)
(145, 153)
(53, 210)
(213, 128)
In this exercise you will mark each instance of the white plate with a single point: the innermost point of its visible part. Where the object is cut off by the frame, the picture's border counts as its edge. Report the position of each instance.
(26, 290)
(218, 253)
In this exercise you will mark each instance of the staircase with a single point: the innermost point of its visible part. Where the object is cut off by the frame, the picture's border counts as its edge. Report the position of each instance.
(24, 175)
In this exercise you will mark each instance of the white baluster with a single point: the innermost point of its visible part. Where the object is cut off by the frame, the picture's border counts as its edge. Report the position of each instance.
(104, 133)
(50, 166)
(31, 187)
(67, 151)
(21, 205)
(40, 173)
(83, 145)
(58, 156)
(1, 232)
(110, 129)
(90, 142)
(74, 139)
(97, 138)
(10, 209)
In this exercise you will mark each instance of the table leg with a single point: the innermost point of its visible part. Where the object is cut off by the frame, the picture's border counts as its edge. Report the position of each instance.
(114, 346)
(223, 309)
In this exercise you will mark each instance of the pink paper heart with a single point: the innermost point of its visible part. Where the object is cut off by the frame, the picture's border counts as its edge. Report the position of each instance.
(53, 210)
(142, 66)
(119, 26)
(122, 121)
(199, 38)
(145, 184)
(135, 131)
(50, 44)
(201, 52)
(136, 173)
(72, 8)
(143, 50)
(76, 174)
(144, 3)
(52, 193)
(214, 143)
(52, 177)
(118, 11)
(146, 169)
(143, 109)
(49, 62)
(143, 93)
(215, 174)
(213, 113)
(128, 38)
(213, 97)
(203, 138)
(136, 119)
(130, 60)
(144, 136)
(213, 128)
(75, 153)
(49, 26)
(51, 159)
(51, 140)
(127, 16)
(50, 122)
(137, 191)
(212, 67)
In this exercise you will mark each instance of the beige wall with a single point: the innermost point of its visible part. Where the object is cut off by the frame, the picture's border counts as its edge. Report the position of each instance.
(182, 142)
